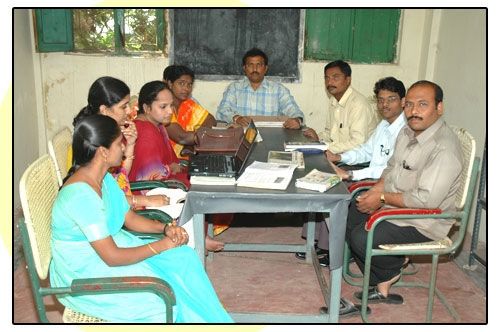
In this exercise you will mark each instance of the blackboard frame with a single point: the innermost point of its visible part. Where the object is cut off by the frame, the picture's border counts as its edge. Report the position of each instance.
(211, 77)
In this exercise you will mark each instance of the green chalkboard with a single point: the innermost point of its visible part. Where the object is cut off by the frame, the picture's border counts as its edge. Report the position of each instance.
(213, 41)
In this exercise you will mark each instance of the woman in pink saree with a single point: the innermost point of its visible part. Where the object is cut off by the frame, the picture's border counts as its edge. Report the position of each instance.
(154, 155)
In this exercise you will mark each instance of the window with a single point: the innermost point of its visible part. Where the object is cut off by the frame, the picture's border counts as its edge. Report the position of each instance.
(357, 35)
(117, 31)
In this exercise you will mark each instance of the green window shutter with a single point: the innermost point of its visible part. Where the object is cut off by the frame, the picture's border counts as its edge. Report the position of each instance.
(374, 35)
(358, 35)
(328, 33)
(160, 28)
(54, 29)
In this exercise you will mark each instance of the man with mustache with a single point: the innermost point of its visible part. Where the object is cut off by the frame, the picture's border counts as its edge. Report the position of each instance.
(377, 150)
(256, 95)
(423, 172)
(350, 119)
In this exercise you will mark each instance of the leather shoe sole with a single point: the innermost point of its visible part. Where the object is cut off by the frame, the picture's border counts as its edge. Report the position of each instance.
(374, 296)
(319, 252)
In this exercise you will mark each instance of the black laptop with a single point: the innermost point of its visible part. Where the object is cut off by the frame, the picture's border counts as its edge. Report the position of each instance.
(223, 165)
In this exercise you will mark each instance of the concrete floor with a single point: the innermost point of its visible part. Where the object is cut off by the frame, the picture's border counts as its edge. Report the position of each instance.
(279, 283)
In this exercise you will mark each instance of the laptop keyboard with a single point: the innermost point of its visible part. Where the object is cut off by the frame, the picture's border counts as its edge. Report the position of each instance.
(216, 164)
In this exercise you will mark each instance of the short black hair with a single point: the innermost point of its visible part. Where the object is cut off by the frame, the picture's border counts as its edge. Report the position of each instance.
(254, 52)
(438, 92)
(343, 66)
(390, 84)
(174, 72)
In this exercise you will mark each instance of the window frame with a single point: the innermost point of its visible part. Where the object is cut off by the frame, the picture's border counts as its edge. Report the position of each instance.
(63, 19)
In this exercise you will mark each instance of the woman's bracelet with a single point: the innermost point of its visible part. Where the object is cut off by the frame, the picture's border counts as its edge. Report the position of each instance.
(153, 249)
(131, 157)
(165, 229)
(134, 201)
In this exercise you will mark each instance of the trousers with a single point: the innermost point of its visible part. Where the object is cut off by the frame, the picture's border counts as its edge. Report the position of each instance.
(383, 268)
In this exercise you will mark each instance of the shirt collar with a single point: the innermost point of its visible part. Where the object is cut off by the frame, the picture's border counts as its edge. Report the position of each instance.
(263, 85)
(426, 134)
(344, 98)
(396, 124)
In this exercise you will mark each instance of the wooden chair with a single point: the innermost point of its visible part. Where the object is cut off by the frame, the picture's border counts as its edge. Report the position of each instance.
(38, 190)
(446, 246)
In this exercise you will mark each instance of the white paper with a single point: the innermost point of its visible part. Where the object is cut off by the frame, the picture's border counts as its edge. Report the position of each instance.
(266, 176)
(177, 197)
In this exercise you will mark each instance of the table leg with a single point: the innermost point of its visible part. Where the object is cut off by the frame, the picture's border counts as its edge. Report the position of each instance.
(199, 236)
(311, 225)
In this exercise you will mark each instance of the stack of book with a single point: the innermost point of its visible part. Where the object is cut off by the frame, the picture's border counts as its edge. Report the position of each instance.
(306, 147)
(286, 158)
(317, 180)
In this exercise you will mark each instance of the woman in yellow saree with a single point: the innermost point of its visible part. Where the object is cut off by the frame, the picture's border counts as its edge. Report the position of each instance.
(188, 115)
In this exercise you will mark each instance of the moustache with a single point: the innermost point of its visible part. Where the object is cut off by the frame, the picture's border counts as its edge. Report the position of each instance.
(331, 87)
(255, 73)
(413, 117)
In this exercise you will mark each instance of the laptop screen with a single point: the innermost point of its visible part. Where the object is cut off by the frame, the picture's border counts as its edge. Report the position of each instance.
(246, 143)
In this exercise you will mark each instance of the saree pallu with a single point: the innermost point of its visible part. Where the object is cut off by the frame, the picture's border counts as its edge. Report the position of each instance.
(190, 116)
(154, 154)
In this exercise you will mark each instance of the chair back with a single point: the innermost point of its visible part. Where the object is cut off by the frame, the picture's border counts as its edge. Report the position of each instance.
(58, 149)
(38, 189)
(468, 145)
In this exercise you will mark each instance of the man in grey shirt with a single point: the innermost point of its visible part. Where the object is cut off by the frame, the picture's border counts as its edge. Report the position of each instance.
(423, 172)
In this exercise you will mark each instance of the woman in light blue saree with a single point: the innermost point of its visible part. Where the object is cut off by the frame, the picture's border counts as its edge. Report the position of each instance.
(88, 240)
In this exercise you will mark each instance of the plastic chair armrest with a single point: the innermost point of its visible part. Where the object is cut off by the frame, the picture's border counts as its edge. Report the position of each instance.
(155, 214)
(375, 217)
(151, 184)
(361, 185)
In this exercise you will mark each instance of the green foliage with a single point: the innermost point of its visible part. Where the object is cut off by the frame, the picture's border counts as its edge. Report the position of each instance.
(94, 30)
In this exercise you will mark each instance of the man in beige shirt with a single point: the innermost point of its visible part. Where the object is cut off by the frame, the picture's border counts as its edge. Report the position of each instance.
(350, 119)
(423, 172)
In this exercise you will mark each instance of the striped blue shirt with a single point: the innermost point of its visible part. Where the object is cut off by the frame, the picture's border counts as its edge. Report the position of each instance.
(270, 99)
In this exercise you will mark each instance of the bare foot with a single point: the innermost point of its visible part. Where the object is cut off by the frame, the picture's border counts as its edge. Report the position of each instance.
(213, 245)
(384, 287)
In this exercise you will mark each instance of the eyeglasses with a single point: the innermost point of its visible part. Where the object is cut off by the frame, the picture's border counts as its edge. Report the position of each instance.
(336, 77)
(258, 65)
(384, 151)
(389, 100)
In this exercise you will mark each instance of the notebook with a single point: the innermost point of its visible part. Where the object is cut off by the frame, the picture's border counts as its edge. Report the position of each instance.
(224, 165)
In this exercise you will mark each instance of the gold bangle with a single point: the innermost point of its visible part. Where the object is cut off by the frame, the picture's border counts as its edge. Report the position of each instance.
(134, 201)
(153, 249)
(131, 157)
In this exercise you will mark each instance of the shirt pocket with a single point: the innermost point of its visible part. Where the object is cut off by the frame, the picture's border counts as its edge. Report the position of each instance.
(407, 180)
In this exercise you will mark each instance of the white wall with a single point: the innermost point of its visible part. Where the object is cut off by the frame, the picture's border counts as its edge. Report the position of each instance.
(26, 131)
(460, 69)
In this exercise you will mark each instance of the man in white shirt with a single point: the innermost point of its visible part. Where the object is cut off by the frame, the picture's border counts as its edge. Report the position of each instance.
(378, 149)
(350, 119)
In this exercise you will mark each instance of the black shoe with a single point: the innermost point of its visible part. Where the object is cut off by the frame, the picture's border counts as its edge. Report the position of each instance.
(319, 252)
(346, 309)
(324, 261)
(374, 296)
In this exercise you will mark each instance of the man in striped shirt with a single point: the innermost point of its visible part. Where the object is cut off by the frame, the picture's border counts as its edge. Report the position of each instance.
(256, 95)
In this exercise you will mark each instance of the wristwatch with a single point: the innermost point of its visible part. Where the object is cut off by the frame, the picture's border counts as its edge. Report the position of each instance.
(382, 199)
